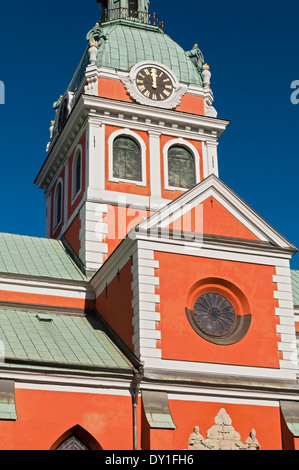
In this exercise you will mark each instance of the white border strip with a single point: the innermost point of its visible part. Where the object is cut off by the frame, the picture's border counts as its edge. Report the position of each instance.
(30, 286)
(231, 401)
(224, 369)
(73, 389)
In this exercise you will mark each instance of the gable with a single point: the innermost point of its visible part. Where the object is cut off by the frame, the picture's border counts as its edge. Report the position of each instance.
(212, 218)
(211, 208)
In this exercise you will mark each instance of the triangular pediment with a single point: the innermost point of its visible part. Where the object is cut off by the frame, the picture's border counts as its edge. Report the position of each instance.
(211, 209)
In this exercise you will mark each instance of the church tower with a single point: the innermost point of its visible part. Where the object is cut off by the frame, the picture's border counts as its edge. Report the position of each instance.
(160, 302)
(134, 130)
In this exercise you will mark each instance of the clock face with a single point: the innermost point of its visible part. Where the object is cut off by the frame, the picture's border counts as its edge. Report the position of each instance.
(154, 84)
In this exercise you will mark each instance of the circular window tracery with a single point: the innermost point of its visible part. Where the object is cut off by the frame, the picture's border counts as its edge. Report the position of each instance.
(218, 311)
(214, 314)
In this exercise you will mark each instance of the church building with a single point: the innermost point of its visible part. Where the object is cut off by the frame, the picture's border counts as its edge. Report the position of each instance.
(159, 303)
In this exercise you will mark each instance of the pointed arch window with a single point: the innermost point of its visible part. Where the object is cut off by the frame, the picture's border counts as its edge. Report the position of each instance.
(57, 205)
(181, 167)
(127, 164)
(77, 173)
(76, 438)
(72, 443)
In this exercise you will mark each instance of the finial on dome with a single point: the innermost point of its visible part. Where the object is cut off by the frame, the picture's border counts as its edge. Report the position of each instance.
(206, 75)
(93, 52)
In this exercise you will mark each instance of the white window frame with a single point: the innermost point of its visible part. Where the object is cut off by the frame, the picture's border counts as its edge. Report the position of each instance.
(74, 164)
(182, 143)
(55, 206)
(133, 135)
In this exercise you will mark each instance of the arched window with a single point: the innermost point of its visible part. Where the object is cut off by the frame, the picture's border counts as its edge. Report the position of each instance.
(77, 174)
(127, 159)
(76, 438)
(181, 167)
(58, 205)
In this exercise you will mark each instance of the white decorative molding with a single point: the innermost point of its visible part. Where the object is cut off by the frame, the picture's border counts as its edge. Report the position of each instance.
(285, 312)
(221, 369)
(92, 76)
(212, 157)
(209, 109)
(129, 80)
(208, 94)
(144, 305)
(28, 380)
(94, 249)
(155, 165)
(169, 122)
(56, 288)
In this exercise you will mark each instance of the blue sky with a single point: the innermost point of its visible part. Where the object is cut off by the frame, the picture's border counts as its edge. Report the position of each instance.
(252, 48)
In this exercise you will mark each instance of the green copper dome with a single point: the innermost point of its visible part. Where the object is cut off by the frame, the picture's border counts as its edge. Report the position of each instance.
(123, 44)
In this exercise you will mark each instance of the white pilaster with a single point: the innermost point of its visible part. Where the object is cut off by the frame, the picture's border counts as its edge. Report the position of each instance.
(146, 317)
(286, 327)
(95, 174)
(212, 157)
(155, 167)
(92, 234)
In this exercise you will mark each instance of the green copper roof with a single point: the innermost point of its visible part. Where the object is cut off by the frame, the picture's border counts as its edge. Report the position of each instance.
(57, 340)
(295, 286)
(127, 43)
(39, 257)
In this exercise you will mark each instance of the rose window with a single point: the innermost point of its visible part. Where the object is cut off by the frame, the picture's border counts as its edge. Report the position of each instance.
(214, 314)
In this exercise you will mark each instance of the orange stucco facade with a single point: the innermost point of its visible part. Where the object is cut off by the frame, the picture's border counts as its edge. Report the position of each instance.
(61, 412)
(257, 349)
(146, 367)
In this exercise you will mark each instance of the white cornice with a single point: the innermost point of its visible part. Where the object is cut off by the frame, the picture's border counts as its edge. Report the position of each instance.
(157, 118)
(87, 382)
(115, 262)
(130, 115)
(53, 287)
(61, 147)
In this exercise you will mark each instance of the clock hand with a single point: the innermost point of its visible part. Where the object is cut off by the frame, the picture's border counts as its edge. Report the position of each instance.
(154, 77)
